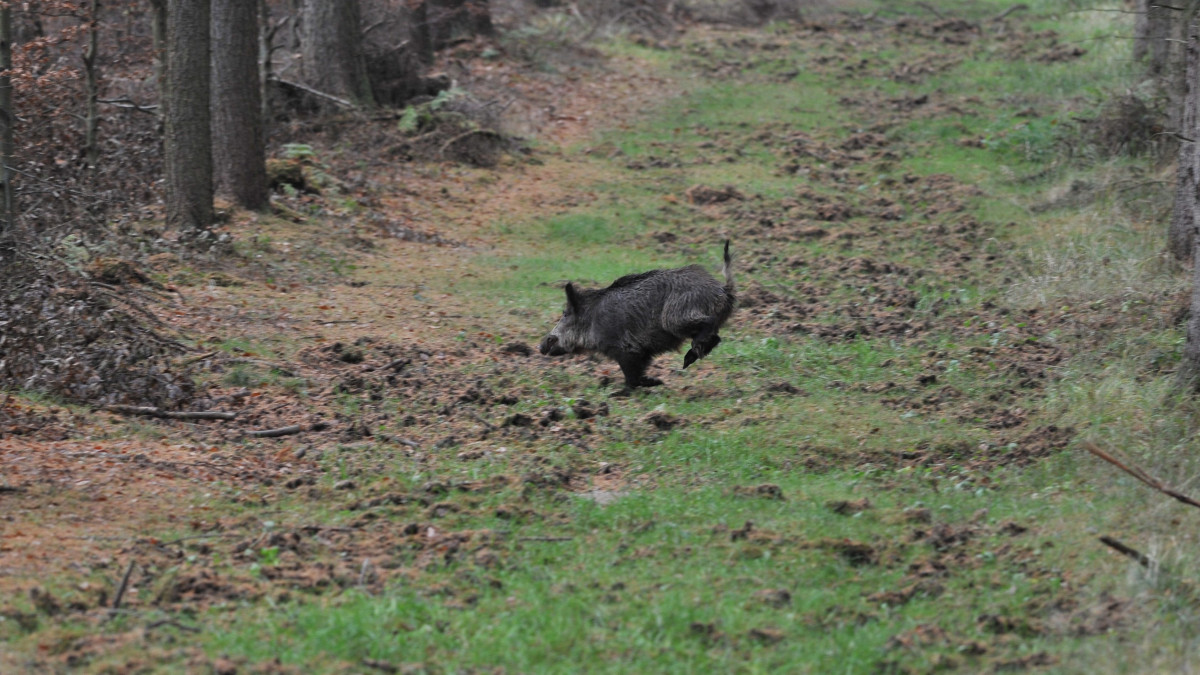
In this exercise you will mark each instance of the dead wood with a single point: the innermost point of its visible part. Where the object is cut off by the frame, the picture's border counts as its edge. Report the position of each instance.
(275, 433)
(313, 92)
(468, 134)
(151, 411)
(1137, 555)
(1138, 473)
(123, 586)
(1015, 8)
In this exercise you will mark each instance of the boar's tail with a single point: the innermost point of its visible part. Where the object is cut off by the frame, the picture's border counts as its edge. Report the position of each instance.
(727, 270)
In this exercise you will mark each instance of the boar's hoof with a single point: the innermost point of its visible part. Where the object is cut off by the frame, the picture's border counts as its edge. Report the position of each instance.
(647, 381)
(689, 358)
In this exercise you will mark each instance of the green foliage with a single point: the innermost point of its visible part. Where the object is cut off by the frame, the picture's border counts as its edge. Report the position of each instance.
(301, 151)
(421, 117)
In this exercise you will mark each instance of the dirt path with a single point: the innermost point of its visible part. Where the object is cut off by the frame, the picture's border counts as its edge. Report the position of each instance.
(82, 493)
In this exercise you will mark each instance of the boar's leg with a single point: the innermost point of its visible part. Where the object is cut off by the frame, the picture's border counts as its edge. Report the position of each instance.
(633, 366)
(704, 342)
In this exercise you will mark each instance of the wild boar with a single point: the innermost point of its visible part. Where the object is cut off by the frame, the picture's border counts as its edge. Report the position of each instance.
(643, 315)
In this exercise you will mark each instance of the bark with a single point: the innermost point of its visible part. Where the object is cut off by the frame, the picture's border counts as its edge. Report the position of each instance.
(91, 147)
(188, 138)
(1158, 30)
(422, 37)
(158, 31)
(239, 152)
(1141, 30)
(7, 138)
(1182, 230)
(332, 58)
(266, 51)
(1189, 367)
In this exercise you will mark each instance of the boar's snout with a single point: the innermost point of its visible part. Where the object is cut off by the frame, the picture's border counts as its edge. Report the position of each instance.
(550, 346)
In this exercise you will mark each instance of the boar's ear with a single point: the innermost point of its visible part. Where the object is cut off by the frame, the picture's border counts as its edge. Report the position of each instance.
(572, 296)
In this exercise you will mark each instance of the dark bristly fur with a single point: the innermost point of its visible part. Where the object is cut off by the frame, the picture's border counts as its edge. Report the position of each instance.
(640, 316)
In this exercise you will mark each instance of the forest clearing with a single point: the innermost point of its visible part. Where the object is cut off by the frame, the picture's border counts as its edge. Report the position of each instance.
(941, 431)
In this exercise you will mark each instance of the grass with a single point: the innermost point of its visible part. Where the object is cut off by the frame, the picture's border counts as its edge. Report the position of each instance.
(799, 501)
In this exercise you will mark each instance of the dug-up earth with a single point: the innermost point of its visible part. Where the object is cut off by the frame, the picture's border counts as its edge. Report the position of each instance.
(336, 304)
(83, 489)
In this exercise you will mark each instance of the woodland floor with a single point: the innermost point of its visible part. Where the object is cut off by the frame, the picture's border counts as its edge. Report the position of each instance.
(375, 317)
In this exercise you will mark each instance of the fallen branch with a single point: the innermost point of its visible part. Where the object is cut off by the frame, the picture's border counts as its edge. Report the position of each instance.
(467, 134)
(1141, 475)
(197, 359)
(275, 433)
(319, 94)
(123, 587)
(1015, 8)
(130, 104)
(931, 8)
(172, 622)
(151, 411)
(1142, 559)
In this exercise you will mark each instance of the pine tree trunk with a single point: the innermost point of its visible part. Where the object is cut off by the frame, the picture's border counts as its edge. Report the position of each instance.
(91, 145)
(188, 138)
(7, 138)
(158, 32)
(1158, 30)
(1189, 367)
(1141, 30)
(1181, 234)
(237, 129)
(332, 55)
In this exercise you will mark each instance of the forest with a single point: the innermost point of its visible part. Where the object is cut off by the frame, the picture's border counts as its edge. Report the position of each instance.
(323, 327)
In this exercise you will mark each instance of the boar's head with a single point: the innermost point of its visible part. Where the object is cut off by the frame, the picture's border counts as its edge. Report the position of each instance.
(570, 334)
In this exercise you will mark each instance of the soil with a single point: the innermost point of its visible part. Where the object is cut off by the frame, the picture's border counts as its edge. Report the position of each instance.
(80, 489)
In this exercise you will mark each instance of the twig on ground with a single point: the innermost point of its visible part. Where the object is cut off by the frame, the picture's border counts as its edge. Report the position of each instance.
(467, 134)
(123, 586)
(275, 433)
(151, 411)
(1015, 8)
(319, 94)
(1142, 559)
(931, 8)
(1138, 473)
(197, 359)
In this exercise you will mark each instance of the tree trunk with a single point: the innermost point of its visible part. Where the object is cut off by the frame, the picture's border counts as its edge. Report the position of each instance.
(158, 31)
(266, 51)
(422, 37)
(1141, 30)
(91, 146)
(1186, 191)
(332, 57)
(237, 128)
(1158, 30)
(7, 138)
(188, 138)
(1181, 234)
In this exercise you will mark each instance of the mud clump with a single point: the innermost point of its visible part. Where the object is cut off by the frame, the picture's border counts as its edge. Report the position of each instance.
(847, 507)
(703, 195)
(764, 491)
(856, 553)
(663, 421)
